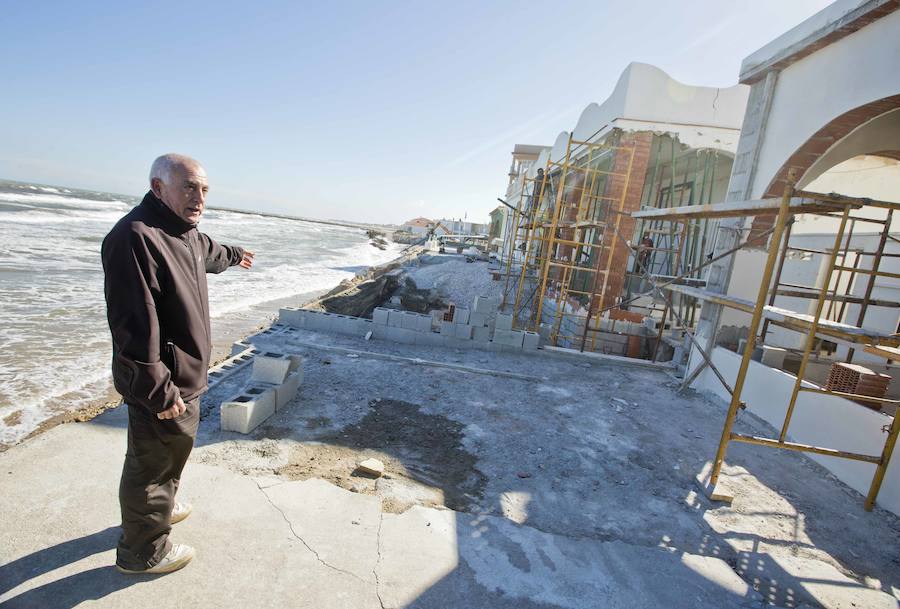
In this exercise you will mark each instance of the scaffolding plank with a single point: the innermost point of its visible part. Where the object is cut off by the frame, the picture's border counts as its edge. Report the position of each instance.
(755, 207)
(882, 351)
(852, 201)
(812, 294)
(800, 322)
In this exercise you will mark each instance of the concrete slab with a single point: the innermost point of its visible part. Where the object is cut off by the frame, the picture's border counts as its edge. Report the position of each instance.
(507, 563)
(789, 580)
(60, 553)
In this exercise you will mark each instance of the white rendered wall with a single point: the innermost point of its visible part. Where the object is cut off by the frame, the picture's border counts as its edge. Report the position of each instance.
(820, 420)
(857, 69)
(806, 269)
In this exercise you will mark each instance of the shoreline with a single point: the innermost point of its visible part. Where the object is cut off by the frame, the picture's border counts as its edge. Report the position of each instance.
(245, 323)
(344, 223)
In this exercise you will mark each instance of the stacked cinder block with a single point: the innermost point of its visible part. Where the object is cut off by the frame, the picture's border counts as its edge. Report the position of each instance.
(274, 381)
(322, 321)
(477, 327)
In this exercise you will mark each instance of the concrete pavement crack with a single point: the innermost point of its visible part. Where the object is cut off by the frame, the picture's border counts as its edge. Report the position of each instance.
(378, 560)
(303, 541)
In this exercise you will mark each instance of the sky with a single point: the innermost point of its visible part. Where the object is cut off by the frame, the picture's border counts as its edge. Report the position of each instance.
(372, 111)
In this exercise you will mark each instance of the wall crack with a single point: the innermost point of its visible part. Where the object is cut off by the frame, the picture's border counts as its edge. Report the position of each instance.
(305, 544)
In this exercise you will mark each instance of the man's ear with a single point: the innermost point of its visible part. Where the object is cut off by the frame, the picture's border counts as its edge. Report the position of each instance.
(156, 187)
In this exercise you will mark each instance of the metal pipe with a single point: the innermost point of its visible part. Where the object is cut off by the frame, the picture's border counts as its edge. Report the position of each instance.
(870, 285)
(754, 325)
(777, 281)
(807, 448)
(883, 463)
(811, 337)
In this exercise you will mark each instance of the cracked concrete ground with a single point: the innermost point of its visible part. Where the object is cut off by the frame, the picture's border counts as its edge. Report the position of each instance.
(572, 489)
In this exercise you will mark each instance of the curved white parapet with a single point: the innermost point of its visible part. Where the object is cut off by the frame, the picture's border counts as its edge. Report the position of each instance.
(645, 98)
(558, 153)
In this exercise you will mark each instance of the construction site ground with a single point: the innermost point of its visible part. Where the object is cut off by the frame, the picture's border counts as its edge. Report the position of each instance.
(512, 481)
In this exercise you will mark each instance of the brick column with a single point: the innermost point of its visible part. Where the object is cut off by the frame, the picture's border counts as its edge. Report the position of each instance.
(633, 189)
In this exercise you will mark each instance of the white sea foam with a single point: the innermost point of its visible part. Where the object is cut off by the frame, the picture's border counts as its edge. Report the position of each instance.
(54, 341)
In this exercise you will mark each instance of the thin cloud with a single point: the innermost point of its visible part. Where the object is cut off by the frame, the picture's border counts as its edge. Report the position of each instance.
(534, 126)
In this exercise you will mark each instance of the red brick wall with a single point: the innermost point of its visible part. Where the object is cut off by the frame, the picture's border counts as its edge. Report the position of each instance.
(819, 144)
(633, 190)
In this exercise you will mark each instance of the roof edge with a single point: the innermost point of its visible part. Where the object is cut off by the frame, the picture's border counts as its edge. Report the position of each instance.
(759, 63)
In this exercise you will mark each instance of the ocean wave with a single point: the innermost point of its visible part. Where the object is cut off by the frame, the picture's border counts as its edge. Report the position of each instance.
(54, 341)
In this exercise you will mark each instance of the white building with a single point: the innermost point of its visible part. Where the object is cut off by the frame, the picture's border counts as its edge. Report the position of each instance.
(825, 104)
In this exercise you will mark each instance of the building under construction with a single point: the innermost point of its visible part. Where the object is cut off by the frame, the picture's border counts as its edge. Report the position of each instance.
(573, 256)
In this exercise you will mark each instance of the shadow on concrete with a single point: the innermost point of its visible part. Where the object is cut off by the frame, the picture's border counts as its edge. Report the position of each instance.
(69, 591)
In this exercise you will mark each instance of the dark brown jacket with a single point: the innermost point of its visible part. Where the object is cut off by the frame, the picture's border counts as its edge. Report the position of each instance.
(157, 306)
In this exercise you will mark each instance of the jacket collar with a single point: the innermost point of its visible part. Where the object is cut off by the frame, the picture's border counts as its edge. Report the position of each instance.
(170, 220)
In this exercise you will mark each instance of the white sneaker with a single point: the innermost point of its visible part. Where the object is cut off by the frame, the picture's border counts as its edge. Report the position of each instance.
(179, 556)
(181, 511)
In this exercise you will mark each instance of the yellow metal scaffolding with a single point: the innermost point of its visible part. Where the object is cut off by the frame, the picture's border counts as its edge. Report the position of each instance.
(565, 250)
(813, 326)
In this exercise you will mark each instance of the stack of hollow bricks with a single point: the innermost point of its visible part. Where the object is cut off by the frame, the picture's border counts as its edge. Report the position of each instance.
(274, 382)
(479, 327)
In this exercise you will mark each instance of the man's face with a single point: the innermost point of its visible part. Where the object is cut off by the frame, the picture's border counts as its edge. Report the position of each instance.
(186, 194)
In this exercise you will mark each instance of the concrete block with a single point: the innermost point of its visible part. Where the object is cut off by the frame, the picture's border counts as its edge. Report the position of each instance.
(380, 316)
(510, 338)
(408, 320)
(485, 304)
(270, 368)
(447, 328)
(395, 318)
(504, 321)
(246, 411)
(460, 315)
(372, 467)
(290, 316)
(478, 320)
(380, 332)
(481, 334)
(286, 391)
(238, 347)
(339, 324)
(423, 323)
(492, 346)
(773, 356)
(429, 339)
(531, 340)
(401, 335)
(463, 331)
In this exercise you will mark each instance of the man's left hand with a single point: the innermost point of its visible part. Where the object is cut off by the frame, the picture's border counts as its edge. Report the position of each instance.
(247, 261)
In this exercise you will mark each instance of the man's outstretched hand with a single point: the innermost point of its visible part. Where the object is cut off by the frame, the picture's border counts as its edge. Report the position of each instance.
(173, 411)
(247, 261)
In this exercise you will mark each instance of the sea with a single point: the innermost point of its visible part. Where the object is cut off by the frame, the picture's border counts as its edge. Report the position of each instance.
(55, 345)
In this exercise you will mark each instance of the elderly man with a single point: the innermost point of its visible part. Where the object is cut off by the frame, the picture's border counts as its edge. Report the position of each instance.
(155, 261)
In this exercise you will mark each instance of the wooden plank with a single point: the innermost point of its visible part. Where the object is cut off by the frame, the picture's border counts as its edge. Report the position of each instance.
(842, 333)
(801, 293)
(882, 351)
(755, 207)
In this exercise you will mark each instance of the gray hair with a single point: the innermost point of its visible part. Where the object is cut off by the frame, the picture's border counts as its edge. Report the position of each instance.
(164, 165)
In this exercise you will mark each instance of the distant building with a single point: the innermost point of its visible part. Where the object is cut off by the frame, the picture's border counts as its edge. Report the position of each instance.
(498, 226)
(462, 227)
(417, 226)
